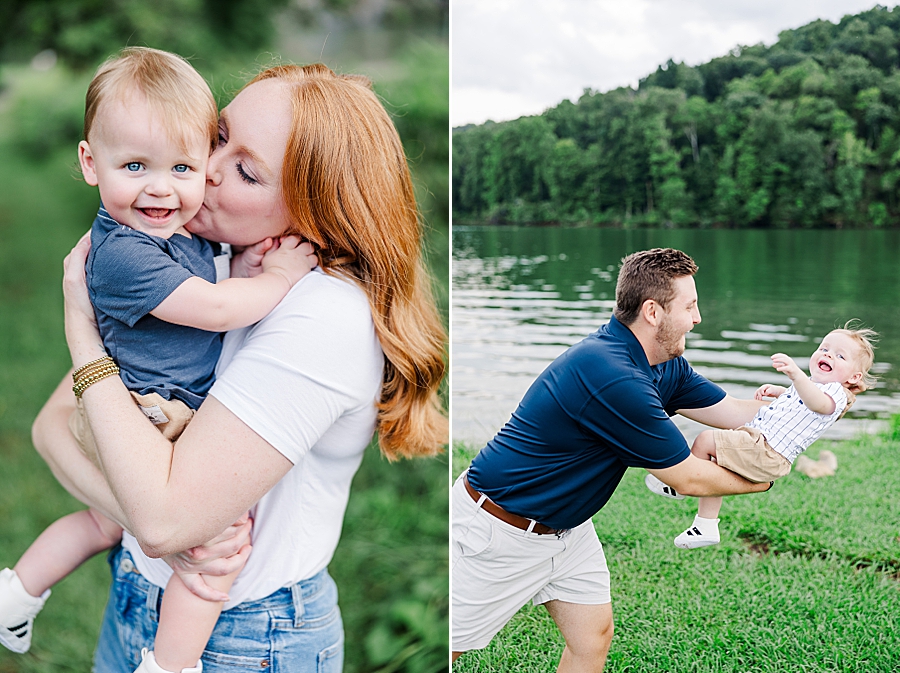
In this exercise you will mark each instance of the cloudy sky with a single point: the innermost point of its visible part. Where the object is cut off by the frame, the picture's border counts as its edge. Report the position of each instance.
(518, 57)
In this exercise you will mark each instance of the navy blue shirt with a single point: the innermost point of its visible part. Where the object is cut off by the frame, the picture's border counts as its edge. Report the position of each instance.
(129, 273)
(598, 409)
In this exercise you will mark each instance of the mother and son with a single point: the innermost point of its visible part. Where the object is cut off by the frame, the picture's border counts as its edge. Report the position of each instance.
(332, 334)
(521, 521)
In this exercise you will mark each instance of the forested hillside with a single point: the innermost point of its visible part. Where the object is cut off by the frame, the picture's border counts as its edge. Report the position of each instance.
(803, 133)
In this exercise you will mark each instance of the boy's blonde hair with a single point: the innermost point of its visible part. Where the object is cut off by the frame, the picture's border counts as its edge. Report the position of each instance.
(173, 89)
(866, 339)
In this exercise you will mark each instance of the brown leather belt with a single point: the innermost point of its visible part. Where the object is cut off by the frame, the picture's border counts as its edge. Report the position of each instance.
(496, 510)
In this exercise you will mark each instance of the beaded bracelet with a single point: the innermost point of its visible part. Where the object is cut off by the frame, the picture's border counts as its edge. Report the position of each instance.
(93, 364)
(91, 368)
(92, 372)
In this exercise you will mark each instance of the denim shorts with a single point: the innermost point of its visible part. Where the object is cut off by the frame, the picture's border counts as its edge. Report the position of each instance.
(297, 629)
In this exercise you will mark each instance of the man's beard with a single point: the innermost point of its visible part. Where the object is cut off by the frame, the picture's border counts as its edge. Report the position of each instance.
(669, 339)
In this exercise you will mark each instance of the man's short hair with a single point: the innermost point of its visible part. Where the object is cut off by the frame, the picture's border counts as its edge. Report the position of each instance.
(649, 274)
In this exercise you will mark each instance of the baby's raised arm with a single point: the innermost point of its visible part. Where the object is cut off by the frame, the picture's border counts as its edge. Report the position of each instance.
(812, 397)
(238, 302)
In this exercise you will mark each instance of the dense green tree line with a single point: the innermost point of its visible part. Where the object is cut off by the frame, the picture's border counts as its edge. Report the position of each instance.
(804, 133)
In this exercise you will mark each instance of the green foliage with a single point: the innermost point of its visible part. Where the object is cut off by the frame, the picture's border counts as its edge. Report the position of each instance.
(893, 433)
(395, 13)
(81, 32)
(805, 579)
(48, 112)
(395, 536)
(799, 134)
(418, 101)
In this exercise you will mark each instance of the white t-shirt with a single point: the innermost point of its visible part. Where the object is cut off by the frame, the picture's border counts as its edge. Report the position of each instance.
(789, 426)
(306, 378)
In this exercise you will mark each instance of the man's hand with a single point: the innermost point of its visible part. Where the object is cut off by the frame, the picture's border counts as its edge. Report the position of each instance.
(768, 390)
(291, 258)
(224, 554)
(787, 366)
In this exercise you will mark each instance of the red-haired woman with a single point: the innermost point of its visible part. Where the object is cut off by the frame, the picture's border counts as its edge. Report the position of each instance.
(356, 347)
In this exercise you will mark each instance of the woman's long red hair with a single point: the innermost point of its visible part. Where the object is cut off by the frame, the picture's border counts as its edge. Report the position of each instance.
(347, 188)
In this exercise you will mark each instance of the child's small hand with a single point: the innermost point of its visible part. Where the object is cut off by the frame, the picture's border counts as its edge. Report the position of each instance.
(768, 390)
(248, 264)
(786, 365)
(290, 257)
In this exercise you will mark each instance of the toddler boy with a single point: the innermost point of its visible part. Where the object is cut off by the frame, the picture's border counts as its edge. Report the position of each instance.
(765, 448)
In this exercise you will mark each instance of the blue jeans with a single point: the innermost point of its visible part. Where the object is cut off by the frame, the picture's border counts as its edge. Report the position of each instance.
(294, 630)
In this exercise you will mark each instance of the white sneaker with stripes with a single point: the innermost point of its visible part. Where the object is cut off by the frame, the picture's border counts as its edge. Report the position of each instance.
(18, 609)
(702, 533)
(661, 488)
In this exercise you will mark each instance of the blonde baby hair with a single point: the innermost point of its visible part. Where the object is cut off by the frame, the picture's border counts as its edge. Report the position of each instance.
(173, 89)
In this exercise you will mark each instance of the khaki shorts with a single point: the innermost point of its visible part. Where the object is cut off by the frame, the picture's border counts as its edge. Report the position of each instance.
(175, 412)
(497, 568)
(746, 452)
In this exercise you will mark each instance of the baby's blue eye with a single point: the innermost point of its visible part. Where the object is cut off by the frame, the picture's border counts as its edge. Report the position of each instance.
(133, 166)
(181, 168)
(841, 357)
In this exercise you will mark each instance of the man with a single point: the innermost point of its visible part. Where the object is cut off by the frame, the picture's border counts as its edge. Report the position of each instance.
(522, 513)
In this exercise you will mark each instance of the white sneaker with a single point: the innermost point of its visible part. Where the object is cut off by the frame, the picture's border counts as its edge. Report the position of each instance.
(18, 609)
(149, 665)
(703, 533)
(661, 488)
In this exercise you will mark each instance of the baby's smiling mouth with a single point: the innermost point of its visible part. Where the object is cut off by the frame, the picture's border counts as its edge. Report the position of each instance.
(157, 213)
(824, 366)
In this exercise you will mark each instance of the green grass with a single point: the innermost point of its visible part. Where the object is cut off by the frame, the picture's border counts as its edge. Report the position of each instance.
(391, 565)
(805, 579)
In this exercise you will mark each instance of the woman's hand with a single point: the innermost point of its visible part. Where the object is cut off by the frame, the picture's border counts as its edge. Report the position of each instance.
(82, 335)
(224, 554)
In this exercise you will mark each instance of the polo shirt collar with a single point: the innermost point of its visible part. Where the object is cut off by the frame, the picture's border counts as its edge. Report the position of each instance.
(622, 332)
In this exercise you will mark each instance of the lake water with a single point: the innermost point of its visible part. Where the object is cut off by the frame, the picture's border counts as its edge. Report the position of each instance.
(521, 296)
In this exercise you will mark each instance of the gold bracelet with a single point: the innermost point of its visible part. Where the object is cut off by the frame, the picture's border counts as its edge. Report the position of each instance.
(94, 364)
(91, 367)
(93, 378)
(85, 382)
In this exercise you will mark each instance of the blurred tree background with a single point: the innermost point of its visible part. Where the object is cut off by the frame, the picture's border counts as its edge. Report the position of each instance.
(804, 133)
(391, 566)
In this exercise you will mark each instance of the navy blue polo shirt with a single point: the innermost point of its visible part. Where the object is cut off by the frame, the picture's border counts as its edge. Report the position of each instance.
(598, 409)
(129, 273)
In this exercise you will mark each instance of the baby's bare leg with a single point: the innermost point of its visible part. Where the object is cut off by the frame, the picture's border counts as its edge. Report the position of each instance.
(704, 447)
(63, 546)
(186, 621)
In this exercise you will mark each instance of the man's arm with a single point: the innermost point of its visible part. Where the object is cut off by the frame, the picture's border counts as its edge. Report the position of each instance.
(728, 413)
(699, 478)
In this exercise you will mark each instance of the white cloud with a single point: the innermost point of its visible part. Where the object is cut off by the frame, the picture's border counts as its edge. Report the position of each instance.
(518, 57)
